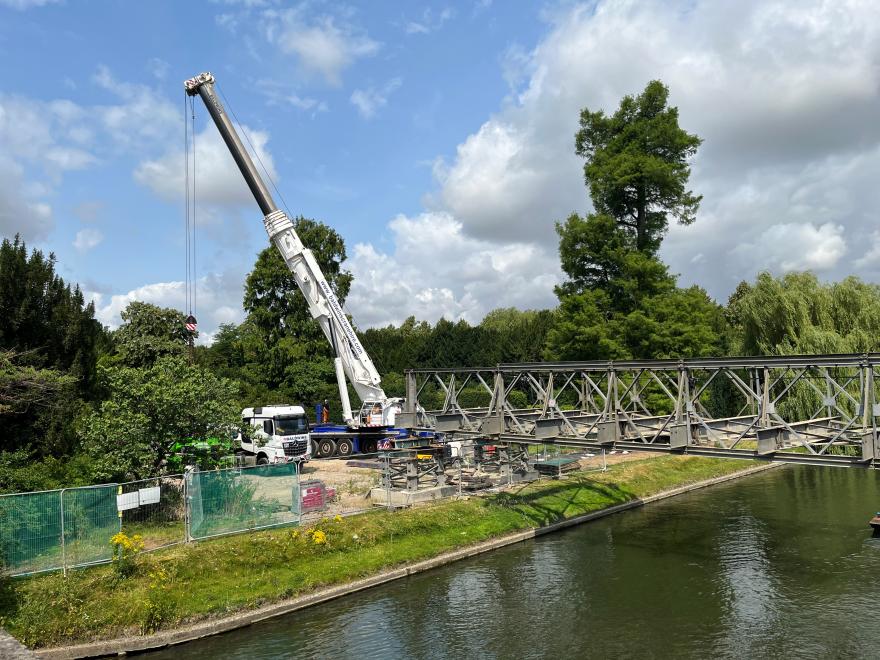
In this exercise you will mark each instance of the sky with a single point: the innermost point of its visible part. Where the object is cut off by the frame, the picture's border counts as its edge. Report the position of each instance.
(437, 139)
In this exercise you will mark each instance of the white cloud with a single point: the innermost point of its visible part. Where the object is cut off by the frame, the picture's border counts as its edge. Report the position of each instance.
(218, 297)
(21, 5)
(436, 271)
(430, 21)
(791, 246)
(218, 179)
(87, 238)
(369, 101)
(20, 213)
(142, 120)
(158, 68)
(307, 103)
(784, 95)
(323, 45)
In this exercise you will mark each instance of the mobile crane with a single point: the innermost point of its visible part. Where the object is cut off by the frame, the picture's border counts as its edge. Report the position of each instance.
(378, 412)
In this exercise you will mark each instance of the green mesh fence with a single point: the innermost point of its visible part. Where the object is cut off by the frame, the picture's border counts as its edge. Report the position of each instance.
(240, 499)
(90, 519)
(56, 529)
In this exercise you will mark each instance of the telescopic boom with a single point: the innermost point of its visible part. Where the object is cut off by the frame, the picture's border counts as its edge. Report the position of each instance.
(351, 358)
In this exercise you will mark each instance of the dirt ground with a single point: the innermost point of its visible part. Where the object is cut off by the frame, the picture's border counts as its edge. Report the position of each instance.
(352, 484)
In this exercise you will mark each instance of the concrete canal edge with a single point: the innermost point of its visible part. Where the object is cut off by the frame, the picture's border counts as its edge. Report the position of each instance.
(125, 645)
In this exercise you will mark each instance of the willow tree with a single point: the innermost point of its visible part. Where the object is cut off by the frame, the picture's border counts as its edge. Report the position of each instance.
(798, 314)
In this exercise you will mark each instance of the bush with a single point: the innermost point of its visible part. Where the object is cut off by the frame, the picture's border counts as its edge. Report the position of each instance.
(125, 553)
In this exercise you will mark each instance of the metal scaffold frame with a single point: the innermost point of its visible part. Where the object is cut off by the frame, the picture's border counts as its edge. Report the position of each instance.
(806, 409)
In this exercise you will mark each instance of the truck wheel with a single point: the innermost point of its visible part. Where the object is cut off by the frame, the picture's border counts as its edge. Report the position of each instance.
(369, 447)
(344, 447)
(326, 448)
(262, 460)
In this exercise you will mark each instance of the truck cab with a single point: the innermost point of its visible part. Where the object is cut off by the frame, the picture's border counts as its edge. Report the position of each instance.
(277, 434)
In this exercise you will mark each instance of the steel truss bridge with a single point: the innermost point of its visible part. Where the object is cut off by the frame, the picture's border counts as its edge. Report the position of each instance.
(808, 409)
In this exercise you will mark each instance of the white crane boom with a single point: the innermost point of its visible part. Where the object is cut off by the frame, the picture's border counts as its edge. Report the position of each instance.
(351, 361)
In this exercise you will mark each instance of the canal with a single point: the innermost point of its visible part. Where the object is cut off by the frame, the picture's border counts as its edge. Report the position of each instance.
(780, 564)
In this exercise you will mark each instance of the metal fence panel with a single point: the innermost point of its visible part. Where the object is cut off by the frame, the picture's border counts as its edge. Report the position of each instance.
(30, 531)
(155, 509)
(57, 529)
(90, 520)
(241, 499)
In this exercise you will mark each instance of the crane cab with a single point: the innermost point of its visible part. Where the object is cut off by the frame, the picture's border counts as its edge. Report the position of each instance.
(377, 413)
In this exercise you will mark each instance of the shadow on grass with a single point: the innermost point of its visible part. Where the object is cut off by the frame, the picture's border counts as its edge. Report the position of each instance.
(550, 504)
(9, 604)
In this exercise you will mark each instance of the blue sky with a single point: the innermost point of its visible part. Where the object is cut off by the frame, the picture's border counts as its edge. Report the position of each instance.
(436, 138)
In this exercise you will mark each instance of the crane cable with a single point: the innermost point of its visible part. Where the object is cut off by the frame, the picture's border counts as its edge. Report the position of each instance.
(190, 284)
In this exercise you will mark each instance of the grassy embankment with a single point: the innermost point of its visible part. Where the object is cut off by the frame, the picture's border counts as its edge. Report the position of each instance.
(190, 582)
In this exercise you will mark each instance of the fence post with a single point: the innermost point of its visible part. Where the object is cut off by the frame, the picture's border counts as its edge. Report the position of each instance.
(63, 547)
(299, 508)
(187, 512)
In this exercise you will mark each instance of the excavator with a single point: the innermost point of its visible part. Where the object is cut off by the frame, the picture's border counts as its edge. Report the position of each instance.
(372, 427)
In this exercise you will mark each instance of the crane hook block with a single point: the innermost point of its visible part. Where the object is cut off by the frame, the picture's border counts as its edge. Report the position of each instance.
(192, 85)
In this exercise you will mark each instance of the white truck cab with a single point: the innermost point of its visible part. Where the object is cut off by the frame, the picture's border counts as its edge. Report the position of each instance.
(278, 434)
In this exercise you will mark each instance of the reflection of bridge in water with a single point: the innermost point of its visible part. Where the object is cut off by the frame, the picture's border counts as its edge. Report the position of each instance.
(810, 409)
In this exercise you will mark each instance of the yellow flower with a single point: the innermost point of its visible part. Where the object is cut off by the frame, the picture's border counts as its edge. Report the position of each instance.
(337, 518)
(319, 537)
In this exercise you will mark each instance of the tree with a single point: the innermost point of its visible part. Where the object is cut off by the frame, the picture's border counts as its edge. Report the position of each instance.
(637, 165)
(797, 314)
(673, 324)
(598, 255)
(148, 409)
(271, 296)
(45, 321)
(148, 333)
(619, 300)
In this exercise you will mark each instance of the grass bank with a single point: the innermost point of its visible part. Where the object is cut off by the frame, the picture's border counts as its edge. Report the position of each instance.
(183, 584)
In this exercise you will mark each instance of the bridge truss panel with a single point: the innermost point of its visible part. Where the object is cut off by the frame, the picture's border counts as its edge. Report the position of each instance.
(813, 409)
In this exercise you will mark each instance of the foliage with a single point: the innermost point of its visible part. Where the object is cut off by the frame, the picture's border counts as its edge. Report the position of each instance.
(504, 335)
(149, 409)
(49, 341)
(271, 296)
(125, 553)
(797, 314)
(148, 333)
(637, 165)
(37, 408)
(43, 319)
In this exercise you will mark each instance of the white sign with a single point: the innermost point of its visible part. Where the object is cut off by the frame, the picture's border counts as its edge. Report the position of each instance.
(149, 495)
(125, 501)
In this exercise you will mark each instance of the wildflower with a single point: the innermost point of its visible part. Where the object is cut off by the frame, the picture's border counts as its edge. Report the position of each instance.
(337, 518)
(319, 538)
